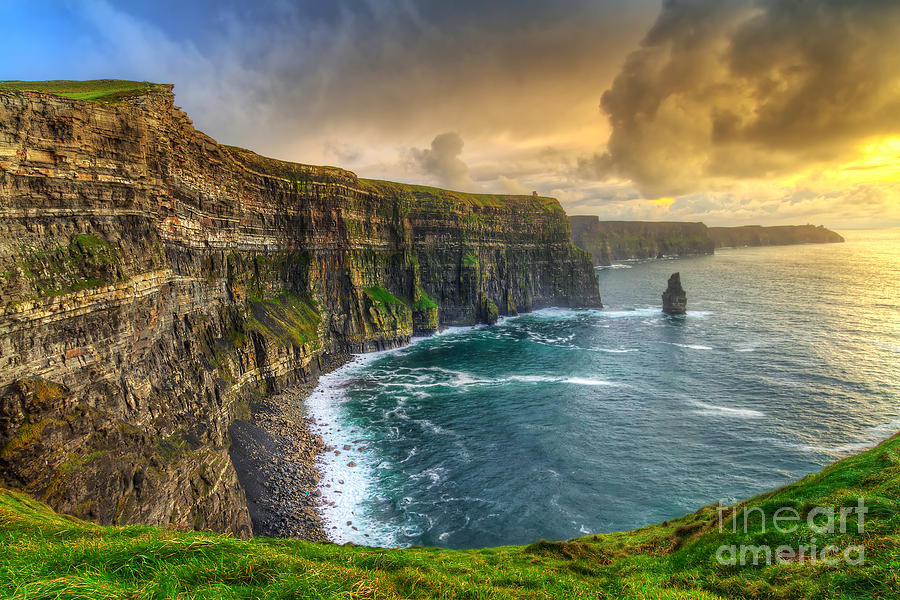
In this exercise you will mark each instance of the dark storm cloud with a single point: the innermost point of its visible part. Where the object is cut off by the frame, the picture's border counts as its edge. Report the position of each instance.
(747, 89)
(285, 76)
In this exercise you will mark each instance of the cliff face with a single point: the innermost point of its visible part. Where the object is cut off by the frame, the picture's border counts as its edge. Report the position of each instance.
(152, 282)
(755, 235)
(620, 240)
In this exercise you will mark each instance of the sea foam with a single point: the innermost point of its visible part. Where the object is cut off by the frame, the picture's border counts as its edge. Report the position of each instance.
(715, 410)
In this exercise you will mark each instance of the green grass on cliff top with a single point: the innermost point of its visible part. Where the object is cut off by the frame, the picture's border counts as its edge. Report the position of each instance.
(97, 90)
(423, 194)
(44, 555)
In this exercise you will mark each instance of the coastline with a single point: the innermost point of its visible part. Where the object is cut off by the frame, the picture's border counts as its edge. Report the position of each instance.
(344, 463)
(275, 453)
(287, 468)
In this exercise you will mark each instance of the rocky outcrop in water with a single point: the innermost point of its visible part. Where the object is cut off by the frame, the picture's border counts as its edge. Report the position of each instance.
(154, 283)
(609, 241)
(674, 299)
(755, 235)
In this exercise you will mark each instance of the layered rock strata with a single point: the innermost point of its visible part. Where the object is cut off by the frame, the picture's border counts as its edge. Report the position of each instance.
(609, 241)
(153, 283)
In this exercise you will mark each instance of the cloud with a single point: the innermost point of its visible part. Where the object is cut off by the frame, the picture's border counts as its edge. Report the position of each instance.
(733, 89)
(809, 201)
(721, 98)
(442, 162)
(289, 78)
(508, 185)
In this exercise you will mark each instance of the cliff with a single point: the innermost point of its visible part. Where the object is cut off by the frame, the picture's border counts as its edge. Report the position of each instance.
(620, 240)
(154, 282)
(608, 241)
(755, 235)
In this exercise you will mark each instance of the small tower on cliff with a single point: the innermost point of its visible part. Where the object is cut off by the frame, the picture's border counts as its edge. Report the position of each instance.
(674, 299)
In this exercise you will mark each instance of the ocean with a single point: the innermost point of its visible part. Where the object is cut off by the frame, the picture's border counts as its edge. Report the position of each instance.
(562, 423)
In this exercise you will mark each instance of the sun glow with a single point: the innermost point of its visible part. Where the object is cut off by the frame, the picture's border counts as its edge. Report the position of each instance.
(879, 162)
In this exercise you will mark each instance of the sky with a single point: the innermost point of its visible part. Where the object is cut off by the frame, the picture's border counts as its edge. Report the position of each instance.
(729, 112)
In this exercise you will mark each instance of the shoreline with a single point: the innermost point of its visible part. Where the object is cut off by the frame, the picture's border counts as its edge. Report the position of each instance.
(343, 462)
(301, 465)
(276, 453)
(305, 505)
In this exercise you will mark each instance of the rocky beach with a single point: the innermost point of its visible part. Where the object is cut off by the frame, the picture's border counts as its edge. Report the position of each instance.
(276, 456)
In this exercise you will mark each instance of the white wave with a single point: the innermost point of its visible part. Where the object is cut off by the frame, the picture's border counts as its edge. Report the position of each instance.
(751, 346)
(614, 266)
(716, 410)
(611, 350)
(529, 379)
(556, 342)
(548, 379)
(445, 332)
(434, 476)
(461, 379)
(433, 428)
(589, 381)
(885, 428)
(413, 451)
(344, 488)
(690, 346)
(699, 314)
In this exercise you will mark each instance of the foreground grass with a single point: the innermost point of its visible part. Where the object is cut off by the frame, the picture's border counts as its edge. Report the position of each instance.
(97, 90)
(45, 555)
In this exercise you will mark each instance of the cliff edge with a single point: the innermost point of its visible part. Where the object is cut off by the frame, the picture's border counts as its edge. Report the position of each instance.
(153, 282)
(608, 241)
(779, 235)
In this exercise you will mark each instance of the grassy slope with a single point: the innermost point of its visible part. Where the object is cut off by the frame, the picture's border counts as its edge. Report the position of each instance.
(97, 90)
(45, 555)
(440, 197)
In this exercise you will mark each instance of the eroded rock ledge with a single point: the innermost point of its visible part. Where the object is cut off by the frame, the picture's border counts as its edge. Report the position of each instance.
(153, 283)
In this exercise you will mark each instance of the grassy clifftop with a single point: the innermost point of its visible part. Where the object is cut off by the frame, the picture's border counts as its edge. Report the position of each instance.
(45, 555)
(97, 90)
(426, 195)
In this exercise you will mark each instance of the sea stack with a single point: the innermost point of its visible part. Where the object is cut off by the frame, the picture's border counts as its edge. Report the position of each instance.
(674, 299)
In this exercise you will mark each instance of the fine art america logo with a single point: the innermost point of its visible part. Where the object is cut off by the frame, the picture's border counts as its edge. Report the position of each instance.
(786, 520)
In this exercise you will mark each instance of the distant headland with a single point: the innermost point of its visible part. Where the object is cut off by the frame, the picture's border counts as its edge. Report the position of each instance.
(608, 241)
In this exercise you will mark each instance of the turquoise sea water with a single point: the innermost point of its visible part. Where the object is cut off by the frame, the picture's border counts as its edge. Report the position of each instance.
(561, 423)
